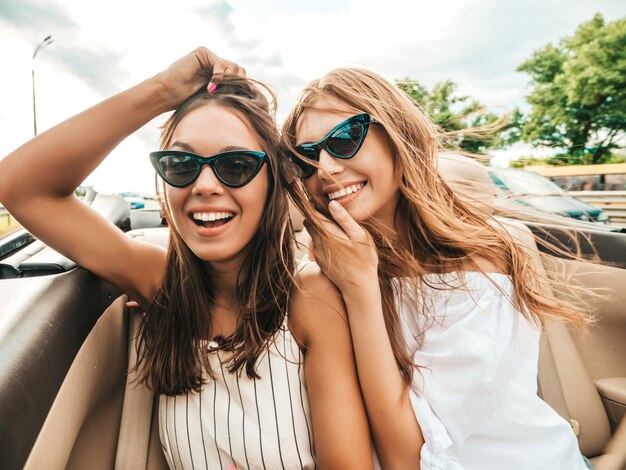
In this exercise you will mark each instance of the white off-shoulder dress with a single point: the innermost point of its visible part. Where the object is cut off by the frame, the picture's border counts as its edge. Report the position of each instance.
(475, 393)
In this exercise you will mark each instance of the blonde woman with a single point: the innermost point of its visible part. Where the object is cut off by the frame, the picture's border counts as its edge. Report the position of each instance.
(445, 309)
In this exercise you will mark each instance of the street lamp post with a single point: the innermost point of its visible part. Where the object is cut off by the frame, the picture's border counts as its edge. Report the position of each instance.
(46, 42)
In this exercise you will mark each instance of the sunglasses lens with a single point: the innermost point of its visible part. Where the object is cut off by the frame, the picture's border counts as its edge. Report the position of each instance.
(177, 169)
(303, 168)
(346, 140)
(236, 170)
(343, 141)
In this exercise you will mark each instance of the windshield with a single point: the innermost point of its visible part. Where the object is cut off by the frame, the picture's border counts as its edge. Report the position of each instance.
(523, 183)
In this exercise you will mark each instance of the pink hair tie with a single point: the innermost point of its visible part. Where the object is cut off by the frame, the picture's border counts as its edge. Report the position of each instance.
(212, 88)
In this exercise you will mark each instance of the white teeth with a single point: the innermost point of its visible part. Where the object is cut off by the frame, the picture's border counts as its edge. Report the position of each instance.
(212, 216)
(345, 191)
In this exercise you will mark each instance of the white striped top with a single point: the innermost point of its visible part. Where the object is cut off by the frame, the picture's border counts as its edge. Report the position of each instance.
(249, 423)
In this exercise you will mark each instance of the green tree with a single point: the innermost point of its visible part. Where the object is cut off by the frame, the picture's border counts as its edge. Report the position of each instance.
(455, 114)
(578, 100)
(527, 161)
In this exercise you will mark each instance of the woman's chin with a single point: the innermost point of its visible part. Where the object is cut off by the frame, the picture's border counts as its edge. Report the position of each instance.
(221, 257)
(219, 253)
(357, 212)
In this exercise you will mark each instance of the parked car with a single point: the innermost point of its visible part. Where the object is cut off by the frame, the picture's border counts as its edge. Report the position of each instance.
(136, 200)
(65, 402)
(538, 192)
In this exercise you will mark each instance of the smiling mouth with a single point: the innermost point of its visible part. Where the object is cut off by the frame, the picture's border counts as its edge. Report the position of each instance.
(211, 219)
(344, 192)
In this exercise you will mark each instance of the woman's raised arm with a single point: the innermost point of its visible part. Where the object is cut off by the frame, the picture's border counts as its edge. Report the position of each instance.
(37, 181)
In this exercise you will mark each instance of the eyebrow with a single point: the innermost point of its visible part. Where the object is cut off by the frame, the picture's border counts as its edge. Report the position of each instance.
(310, 141)
(188, 148)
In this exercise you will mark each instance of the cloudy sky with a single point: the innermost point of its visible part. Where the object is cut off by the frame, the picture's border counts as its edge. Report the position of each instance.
(101, 48)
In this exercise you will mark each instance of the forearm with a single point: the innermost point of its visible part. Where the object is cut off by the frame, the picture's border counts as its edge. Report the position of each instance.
(340, 426)
(54, 163)
(396, 432)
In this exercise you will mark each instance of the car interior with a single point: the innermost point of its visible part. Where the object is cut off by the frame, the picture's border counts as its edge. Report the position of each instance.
(67, 340)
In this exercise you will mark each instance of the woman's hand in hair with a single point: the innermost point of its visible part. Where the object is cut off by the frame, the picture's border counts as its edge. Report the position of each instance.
(351, 260)
(198, 69)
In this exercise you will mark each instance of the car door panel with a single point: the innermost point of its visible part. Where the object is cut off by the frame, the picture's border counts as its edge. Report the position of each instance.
(82, 426)
(43, 324)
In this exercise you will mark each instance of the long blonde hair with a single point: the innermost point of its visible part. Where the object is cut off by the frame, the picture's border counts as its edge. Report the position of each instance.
(438, 231)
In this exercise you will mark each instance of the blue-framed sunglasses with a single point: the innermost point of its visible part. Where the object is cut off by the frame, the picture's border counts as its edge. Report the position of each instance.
(234, 168)
(343, 141)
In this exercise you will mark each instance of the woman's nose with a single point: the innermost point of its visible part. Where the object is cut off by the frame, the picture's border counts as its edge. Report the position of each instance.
(207, 182)
(329, 165)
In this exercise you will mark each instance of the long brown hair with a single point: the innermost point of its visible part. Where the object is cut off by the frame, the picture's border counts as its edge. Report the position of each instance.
(438, 230)
(172, 346)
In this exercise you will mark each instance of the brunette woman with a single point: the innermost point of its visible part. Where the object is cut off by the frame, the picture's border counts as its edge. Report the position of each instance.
(253, 361)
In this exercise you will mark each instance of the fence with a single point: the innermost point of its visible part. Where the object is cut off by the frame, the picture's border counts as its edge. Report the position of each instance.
(612, 202)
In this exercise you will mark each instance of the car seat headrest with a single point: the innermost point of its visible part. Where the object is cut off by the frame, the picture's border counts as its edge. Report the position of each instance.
(466, 174)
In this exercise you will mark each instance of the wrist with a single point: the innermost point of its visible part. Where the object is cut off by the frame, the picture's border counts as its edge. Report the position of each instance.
(364, 292)
(163, 98)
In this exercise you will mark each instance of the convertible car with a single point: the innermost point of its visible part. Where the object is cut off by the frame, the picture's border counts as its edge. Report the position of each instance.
(67, 340)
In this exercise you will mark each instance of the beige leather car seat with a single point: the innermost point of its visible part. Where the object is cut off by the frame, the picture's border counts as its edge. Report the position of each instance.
(564, 382)
(139, 445)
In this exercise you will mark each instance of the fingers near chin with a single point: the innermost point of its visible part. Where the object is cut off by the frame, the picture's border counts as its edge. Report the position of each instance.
(329, 227)
(346, 222)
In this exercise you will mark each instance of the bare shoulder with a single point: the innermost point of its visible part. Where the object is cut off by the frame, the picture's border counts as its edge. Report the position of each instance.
(316, 305)
(313, 282)
(480, 263)
(519, 232)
